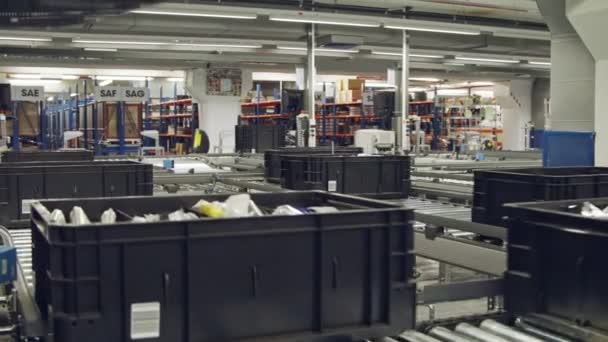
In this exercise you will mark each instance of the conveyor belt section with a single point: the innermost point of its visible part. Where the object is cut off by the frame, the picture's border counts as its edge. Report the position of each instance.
(529, 328)
(23, 242)
(442, 209)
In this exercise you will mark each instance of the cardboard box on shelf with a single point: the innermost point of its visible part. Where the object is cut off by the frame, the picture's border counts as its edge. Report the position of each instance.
(356, 95)
(355, 84)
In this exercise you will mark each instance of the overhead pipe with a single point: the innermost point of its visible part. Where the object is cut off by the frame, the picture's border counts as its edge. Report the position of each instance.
(507, 332)
(478, 334)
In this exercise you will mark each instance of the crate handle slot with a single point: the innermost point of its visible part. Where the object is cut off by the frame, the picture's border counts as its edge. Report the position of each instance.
(580, 287)
(254, 280)
(334, 278)
(166, 286)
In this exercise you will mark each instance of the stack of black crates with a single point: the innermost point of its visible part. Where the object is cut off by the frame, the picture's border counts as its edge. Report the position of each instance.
(259, 138)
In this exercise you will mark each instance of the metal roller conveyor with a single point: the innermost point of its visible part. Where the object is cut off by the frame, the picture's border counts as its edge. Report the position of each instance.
(478, 334)
(507, 332)
(414, 336)
(542, 334)
(448, 335)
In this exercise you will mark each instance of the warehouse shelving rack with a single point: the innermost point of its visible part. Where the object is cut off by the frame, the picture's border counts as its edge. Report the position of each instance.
(168, 115)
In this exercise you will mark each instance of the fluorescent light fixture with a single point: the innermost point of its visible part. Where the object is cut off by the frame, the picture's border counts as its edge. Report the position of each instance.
(105, 83)
(539, 63)
(191, 14)
(123, 78)
(416, 89)
(69, 77)
(26, 82)
(86, 41)
(378, 85)
(426, 56)
(236, 46)
(50, 98)
(491, 60)
(26, 76)
(101, 49)
(424, 79)
(175, 79)
(73, 94)
(318, 49)
(455, 64)
(291, 48)
(337, 50)
(27, 39)
(400, 54)
(322, 22)
(423, 29)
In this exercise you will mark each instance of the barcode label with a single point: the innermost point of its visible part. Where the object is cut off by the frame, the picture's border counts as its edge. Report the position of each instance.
(332, 186)
(145, 320)
(26, 205)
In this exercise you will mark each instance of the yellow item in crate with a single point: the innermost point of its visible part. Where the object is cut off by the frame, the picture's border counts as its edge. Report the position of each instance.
(209, 209)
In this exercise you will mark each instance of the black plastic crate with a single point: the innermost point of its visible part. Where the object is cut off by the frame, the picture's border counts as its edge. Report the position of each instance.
(556, 262)
(272, 158)
(40, 156)
(231, 279)
(22, 182)
(494, 188)
(259, 137)
(388, 176)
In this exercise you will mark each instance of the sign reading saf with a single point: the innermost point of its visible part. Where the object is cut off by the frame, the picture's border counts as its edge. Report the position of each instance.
(108, 94)
(27, 93)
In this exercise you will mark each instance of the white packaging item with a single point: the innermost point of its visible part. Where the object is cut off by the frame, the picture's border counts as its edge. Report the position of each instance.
(78, 216)
(108, 216)
(181, 215)
(57, 217)
(286, 210)
(237, 205)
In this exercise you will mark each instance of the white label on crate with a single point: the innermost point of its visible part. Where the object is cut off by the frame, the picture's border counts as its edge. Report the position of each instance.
(145, 320)
(132, 94)
(4, 267)
(31, 94)
(332, 186)
(108, 94)
(26, 205)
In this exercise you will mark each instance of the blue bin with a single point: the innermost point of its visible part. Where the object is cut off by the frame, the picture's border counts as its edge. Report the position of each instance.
(564, 148)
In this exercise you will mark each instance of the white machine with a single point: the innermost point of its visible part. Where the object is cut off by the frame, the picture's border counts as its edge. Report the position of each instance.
(69, 136)
(154, 135)
(375, 141)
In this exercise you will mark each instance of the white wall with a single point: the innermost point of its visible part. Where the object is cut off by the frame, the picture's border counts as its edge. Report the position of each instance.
(601, 114)
(216, 113)
(515, 99)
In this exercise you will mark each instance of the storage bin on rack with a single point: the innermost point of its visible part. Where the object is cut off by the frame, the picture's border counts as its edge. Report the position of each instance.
(492, 189)
(273, 158)
(40, 156)
(231, 279)
(384, 175)
(556, 259)
(22, 182)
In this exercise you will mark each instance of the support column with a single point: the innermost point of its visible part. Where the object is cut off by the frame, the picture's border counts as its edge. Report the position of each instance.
(572, 73)
(404, 94)
(311, 73)
(588, 17)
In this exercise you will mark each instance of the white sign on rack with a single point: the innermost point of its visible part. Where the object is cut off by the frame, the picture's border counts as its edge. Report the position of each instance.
(108, 94)
(22, 93)
(132, 94)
